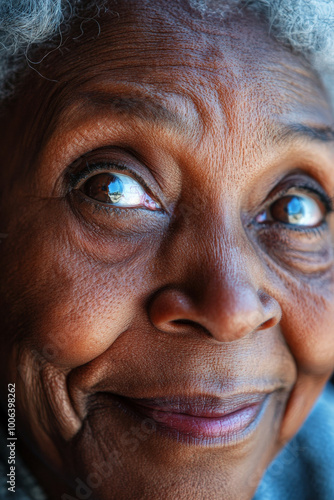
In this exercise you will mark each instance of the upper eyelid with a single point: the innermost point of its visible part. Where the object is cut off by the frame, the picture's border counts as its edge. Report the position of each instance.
(77, 177)
(307, 188)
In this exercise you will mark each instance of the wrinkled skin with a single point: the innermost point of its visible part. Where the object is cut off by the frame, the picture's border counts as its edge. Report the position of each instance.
(197, 298)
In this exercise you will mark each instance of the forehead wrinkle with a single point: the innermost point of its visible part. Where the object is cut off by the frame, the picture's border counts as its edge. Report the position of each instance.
(298, 80)
(238, 74)
(178, 113)
(141, 107)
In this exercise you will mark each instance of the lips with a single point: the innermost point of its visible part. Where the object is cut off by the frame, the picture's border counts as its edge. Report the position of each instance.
(201, 417)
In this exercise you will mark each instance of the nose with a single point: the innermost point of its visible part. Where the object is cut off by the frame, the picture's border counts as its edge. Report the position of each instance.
(227, 305)
(224, 320)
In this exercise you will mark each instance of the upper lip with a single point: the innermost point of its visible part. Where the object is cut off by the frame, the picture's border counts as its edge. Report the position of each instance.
(201, 406)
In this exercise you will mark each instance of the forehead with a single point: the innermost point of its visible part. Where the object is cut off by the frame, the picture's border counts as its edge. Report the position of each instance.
(162, 58)
(167, 35)
(168, 51)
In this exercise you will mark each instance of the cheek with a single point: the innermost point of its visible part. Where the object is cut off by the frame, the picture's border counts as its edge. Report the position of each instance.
(66, 306)
(308, 327)
(79, 321)
(302, 276)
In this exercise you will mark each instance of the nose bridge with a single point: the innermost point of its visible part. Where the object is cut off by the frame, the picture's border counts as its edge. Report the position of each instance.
(224, 257)
(226, 282)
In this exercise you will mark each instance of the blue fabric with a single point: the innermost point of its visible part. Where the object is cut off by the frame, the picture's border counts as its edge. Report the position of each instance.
(304, 470)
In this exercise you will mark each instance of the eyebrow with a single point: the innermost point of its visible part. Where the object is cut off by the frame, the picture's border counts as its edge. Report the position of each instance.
(142, 107)
(300, 131)
(148, 108)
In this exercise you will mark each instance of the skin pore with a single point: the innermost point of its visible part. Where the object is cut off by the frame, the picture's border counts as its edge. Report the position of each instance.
(206, 293)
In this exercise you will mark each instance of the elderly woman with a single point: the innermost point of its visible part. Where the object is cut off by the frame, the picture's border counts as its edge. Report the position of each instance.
(167, 255)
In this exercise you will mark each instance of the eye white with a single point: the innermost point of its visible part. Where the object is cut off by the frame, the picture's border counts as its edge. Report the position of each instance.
(118, 190)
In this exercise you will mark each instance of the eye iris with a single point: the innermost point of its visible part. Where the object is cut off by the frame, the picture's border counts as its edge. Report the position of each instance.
(289, 209)
(105, 187)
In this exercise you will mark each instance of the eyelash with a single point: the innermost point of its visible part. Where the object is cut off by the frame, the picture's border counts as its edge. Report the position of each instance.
(311, 189)
(90, 168)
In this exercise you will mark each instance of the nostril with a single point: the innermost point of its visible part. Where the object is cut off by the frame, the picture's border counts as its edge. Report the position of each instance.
(271, 310)
(183, 322)
(194, 326)
(268, 324)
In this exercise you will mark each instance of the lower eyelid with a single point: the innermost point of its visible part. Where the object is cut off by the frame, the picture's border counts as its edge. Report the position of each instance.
(112, 209)
(281, 227)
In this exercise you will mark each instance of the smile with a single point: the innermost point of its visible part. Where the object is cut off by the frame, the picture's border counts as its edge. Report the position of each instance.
(200, 420)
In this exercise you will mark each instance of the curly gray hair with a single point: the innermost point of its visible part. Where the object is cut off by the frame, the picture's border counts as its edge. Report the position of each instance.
(305, 26)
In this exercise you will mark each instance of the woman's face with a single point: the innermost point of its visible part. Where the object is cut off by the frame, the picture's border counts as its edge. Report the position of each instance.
(167, 278)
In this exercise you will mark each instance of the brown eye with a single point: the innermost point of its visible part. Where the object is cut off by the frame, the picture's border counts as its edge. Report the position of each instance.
(299, 210)
(105, 187)
(118, 190)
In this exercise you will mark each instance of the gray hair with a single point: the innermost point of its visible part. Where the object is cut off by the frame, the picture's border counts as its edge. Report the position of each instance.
(305, 26)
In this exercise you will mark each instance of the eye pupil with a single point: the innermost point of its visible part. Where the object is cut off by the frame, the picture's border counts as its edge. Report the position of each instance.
(104, 187)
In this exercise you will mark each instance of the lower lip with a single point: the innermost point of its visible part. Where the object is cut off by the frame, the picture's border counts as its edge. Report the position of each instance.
(227, 427)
